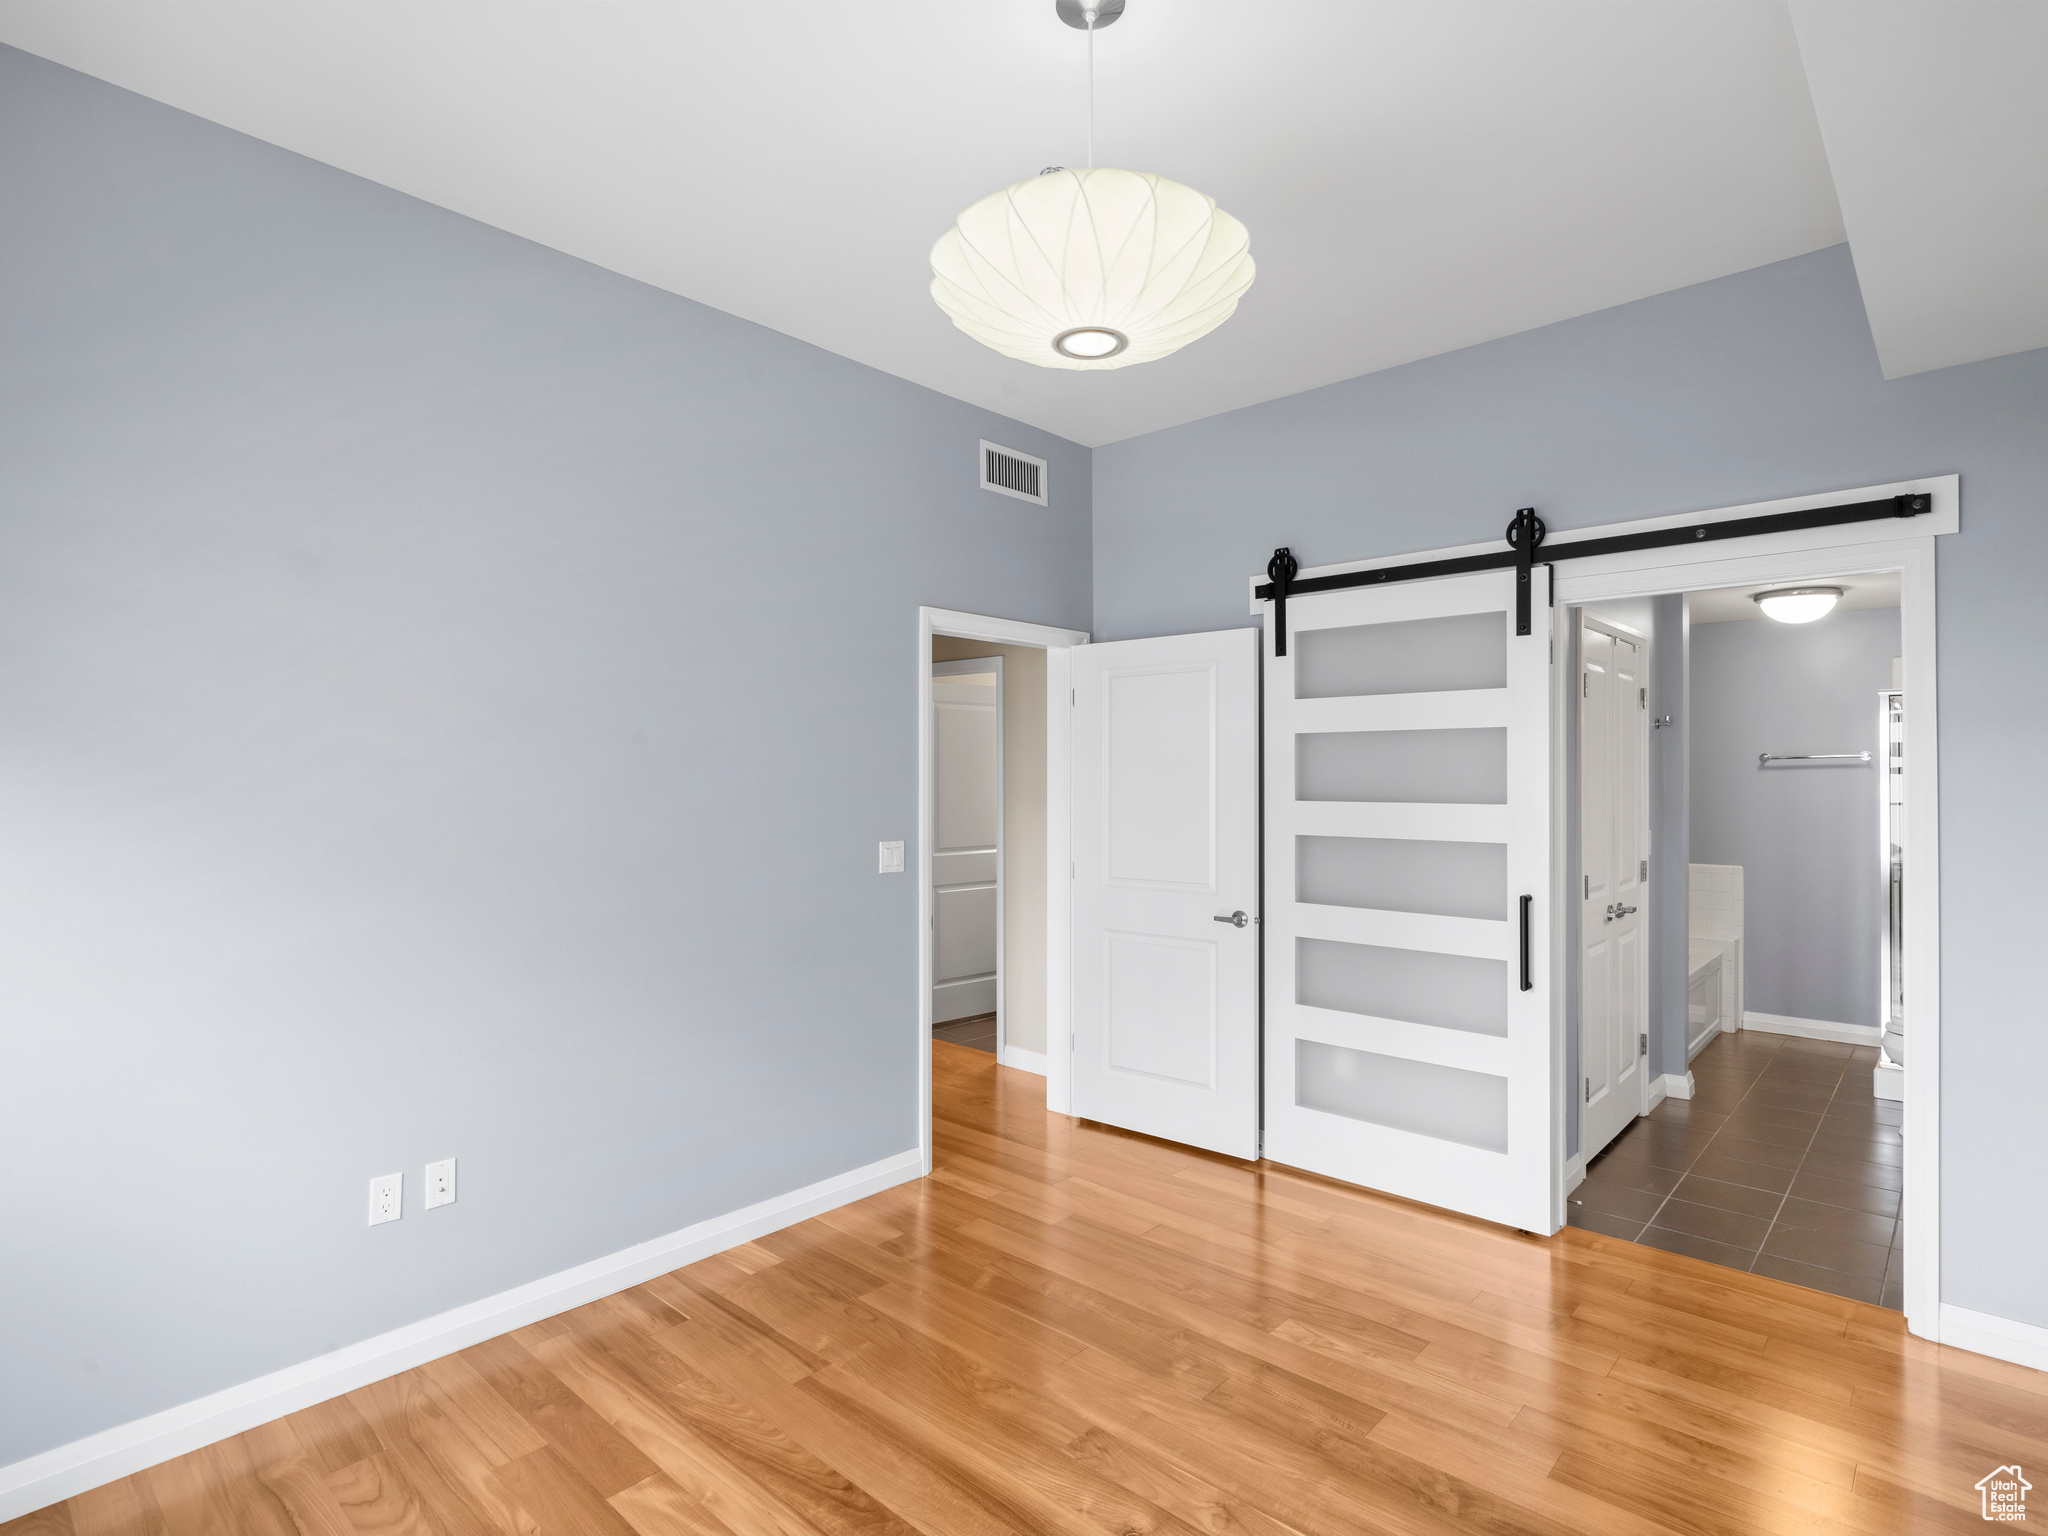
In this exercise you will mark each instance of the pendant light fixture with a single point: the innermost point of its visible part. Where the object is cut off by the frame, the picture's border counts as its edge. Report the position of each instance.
(1798, 605)
(1091, 269)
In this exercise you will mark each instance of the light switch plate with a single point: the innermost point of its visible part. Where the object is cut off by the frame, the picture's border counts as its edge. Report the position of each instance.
(892, 858)
(387, 1197)
(440, 1184)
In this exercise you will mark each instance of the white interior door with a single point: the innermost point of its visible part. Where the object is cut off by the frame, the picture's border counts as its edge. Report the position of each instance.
(1614, 865)
(1164, 754)
(1409, 1041)
(967, 837)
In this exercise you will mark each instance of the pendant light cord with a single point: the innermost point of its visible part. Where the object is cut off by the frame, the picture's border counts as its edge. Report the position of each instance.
(1091, 90)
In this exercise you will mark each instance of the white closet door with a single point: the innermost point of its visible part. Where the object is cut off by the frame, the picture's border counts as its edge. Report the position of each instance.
(1164, 755)
(1409, 1044)
(1614, 858)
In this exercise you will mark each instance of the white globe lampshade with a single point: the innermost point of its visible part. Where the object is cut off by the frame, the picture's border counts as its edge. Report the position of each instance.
(1091, 269)
(1798, 605)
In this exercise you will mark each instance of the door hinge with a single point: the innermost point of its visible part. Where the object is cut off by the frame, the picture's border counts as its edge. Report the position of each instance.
(1589, 1090)
(1073, 698)
(1585, 685)
(1073, 871)
(1643, 1043)
(1589, 889)
(1643, 870)
(1643, 698)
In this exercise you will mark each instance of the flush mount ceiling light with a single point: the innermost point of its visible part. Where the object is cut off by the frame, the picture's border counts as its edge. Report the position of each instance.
(1797, 605)
(1091, 269)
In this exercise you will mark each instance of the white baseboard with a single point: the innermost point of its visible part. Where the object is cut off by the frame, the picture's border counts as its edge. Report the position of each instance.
(1023, 1060)
(1813, 1029)
(128, 1448)
(1888, 1083)
(1999, 1337)
(1673, 1085)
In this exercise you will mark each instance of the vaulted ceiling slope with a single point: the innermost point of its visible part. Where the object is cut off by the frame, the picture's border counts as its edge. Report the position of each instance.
(1936, 123)
(1416, 177)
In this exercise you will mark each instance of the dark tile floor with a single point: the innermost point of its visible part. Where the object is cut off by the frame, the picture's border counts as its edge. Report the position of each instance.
(1782, 1163)
(977, 1032)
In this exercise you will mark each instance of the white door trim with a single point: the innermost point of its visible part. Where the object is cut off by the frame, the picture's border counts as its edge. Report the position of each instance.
(1054, 642)
(1906, 546)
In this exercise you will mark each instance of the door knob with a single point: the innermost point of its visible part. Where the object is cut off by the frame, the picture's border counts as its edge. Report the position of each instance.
(1236, 919)
(1621, 911)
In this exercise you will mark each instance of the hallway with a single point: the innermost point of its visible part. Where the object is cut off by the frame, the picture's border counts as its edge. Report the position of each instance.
(1782, 1164)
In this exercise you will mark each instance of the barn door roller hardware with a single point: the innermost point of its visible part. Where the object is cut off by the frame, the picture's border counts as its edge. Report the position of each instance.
(1525, 536)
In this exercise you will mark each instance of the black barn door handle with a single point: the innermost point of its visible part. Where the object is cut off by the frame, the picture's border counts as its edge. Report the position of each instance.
(1527, 984)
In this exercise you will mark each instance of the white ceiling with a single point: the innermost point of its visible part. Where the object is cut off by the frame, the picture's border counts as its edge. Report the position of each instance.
(1722, 605)
(1936, 122)
(1416, 177)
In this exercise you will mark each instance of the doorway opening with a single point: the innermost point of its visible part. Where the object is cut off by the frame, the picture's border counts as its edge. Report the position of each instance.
(988, 845)
(1753, 779)
(992, 827)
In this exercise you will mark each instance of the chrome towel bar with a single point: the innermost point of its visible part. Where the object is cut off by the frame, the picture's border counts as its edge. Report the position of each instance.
(1811, 757)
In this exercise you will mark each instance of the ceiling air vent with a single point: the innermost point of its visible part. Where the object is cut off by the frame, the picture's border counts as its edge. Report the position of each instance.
(1010, 473)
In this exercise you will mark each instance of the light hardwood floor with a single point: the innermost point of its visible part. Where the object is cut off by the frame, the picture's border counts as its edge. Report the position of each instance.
(1070, 1329)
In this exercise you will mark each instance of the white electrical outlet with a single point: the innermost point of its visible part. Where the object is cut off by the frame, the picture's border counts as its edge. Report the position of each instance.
(387, 1197)
(440, 1184)
(892, 859)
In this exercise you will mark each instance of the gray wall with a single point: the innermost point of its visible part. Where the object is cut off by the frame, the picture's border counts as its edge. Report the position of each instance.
(1805, 835)
(398, 757)
(1755, 386)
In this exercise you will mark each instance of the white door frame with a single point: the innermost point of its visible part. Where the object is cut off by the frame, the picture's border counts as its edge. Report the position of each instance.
(1055, 643)
(1907, 547)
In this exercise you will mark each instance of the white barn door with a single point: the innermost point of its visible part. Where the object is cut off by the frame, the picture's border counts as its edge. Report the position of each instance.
(1164, 826)
(1409, 1042)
